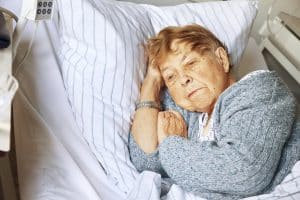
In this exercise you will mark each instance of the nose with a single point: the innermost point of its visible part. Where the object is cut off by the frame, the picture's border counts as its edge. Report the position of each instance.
(185, 80)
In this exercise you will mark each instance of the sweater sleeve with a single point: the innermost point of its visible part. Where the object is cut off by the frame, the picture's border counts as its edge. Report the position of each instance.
(144, 161)
(290, 154)
(254, 124)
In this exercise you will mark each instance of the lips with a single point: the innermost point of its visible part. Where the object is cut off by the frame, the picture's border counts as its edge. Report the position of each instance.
(194, 91)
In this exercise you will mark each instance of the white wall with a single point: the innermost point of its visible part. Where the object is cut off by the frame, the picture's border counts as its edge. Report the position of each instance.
(289, 6)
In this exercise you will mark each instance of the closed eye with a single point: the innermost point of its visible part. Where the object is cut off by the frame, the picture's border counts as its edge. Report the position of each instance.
(191, 62)
(170, 77)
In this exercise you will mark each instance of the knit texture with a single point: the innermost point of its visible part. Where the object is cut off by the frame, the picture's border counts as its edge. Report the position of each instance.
(253, 151)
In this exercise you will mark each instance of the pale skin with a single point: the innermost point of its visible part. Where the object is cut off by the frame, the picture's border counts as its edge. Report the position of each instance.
(194, 81)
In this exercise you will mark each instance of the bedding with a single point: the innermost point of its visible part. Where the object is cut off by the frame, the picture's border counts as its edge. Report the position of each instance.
(54, 159)
(102, 64)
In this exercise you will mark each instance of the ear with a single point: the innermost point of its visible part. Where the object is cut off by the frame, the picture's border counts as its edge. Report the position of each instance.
(223, 58)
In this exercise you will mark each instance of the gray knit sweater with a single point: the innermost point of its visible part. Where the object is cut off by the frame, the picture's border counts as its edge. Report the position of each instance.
(257, 142)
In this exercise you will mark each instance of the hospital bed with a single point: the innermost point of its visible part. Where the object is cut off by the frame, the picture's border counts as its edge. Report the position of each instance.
(54, 161)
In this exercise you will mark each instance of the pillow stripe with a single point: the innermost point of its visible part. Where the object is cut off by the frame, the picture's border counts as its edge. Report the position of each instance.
(239, 24)
(94, 130)
(116, 167)
(74, 50)
(130, 44)
(245, 14)
(89, 124)
(232, 27)
(205, 23)
(210, 20)
(194, 19)
(103, 107)
(83, 72)
(123, 82)
(78, 72)
(69, 82)
(121, 104)
(133, 62)
(113, 108)
(216, 18)
(159, 18)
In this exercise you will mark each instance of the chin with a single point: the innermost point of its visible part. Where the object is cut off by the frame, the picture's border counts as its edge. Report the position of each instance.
(198, 109)
(189, 108)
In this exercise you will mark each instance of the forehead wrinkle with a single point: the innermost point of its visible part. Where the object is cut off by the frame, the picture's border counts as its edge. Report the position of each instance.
(184, 57)
(178, 50)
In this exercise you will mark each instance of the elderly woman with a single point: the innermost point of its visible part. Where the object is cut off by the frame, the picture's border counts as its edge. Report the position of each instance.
(227, 138)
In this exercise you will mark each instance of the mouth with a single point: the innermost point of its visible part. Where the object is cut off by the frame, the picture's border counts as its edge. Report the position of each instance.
(194, 91)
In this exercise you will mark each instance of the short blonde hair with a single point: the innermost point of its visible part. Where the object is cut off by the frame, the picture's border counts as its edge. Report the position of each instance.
(197, 37)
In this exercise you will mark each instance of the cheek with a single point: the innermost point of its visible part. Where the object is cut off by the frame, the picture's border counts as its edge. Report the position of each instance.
(178, 98)
(177, 94)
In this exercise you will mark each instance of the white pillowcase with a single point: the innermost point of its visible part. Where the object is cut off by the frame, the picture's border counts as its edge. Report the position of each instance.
(102, 63)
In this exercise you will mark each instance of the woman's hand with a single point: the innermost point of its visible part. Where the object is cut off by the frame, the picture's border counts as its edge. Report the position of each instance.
(153, 73)
(170, 123)
(152, 83)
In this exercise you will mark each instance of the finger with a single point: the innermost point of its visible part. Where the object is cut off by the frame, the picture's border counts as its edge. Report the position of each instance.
(184, 129)
(172, 124)
(165, 122)
(168, 113)
(178, 119)
(168, 122)
(159, 115)
(180, 125)
(175, 123)
(177, 114)
(152, 63)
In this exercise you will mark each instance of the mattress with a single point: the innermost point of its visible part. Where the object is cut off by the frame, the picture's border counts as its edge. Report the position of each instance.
(53, 159)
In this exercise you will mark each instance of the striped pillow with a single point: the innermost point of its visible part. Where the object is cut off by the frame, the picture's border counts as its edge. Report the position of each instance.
(102, 63)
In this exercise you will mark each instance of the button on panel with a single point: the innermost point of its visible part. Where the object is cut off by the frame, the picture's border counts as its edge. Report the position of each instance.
(44, 9)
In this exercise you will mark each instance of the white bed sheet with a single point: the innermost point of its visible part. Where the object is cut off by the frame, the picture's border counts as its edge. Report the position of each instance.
(54, 162)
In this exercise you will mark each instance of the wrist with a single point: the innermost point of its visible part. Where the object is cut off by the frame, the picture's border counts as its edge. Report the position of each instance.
(150, 90)
(147, 104)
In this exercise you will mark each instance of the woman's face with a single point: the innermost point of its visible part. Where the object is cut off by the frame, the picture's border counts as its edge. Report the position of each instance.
(195, 81)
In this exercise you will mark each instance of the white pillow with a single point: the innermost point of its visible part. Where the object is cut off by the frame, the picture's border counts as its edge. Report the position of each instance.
(102, 63)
